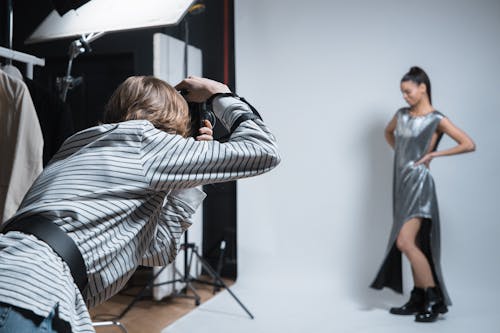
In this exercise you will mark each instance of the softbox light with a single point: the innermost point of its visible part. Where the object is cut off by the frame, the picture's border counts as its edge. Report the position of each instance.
(108, 16)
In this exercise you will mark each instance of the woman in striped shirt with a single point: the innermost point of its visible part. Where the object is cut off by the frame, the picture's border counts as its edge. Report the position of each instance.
(124, 192)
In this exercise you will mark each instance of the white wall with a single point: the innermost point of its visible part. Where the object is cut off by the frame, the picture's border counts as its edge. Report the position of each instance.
(325, 75)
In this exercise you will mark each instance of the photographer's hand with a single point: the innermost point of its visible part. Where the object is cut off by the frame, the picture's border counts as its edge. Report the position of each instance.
(199, 89)
(206, 132)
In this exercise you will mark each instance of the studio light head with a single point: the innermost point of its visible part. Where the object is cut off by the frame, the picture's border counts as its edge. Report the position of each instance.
(97, 16)
(88, 20)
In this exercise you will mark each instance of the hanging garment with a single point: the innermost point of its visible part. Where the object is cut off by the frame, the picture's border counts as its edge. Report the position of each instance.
(13, 71)
(56, 120)
(21, 144)
(414, 195)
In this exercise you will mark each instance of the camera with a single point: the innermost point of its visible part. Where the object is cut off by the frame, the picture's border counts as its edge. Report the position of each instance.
(198, 112)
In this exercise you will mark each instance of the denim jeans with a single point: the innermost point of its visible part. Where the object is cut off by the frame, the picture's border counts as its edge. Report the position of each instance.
(16, 320)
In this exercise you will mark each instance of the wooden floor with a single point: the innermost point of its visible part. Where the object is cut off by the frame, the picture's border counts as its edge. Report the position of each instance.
(147, 315)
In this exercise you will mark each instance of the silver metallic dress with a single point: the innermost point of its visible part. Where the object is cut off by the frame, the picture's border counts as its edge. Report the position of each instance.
(414, 195)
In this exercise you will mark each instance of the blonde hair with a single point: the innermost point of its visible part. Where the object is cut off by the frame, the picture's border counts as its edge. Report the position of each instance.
(149, 98)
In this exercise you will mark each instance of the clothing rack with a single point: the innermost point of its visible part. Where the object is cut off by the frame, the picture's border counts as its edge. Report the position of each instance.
(10, 54)
(28, 59)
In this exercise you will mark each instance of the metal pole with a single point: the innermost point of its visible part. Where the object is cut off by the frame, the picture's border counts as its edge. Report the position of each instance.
(10, 19)
(186, 43)
(10, 24)
(186, 242)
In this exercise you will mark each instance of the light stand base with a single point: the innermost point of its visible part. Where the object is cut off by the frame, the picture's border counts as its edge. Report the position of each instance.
(188, 280)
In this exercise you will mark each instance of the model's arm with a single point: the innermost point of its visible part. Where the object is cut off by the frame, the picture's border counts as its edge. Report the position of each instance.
(464, 142)
(389, 131)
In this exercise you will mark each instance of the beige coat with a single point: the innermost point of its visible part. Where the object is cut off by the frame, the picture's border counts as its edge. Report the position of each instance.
(21, 144)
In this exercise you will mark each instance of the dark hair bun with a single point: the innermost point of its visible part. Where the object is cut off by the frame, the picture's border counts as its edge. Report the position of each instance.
(415, 70)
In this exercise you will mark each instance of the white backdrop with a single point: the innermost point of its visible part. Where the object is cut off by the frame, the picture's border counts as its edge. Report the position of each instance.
(325, 75)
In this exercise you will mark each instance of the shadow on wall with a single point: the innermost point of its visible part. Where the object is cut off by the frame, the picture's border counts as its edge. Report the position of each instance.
(375, 219)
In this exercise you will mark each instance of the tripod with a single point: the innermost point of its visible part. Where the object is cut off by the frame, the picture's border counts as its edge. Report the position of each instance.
(190, 250)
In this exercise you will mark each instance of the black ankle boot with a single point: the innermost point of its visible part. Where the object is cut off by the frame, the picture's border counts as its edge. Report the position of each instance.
(414, 305)
(433, 306)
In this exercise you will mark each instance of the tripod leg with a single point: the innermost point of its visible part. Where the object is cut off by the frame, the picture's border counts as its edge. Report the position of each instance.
(219, 264)
(141, 293)
(216, 276)
(190, 261)
(189, 285)
(197, 299)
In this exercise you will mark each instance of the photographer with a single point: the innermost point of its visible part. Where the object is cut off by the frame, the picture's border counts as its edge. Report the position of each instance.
(121, 194)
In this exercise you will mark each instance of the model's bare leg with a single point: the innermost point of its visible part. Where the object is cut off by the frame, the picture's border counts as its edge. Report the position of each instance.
(425, 300)
(406, 243)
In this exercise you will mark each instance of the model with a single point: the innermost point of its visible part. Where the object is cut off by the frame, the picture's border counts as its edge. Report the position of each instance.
(414, 133)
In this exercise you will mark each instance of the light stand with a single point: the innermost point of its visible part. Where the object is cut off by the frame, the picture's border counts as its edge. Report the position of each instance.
(190, 249)
(77, 47)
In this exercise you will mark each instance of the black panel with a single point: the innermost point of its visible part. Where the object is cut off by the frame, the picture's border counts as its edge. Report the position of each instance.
(219, 224)
(64, 6)
(100, 75)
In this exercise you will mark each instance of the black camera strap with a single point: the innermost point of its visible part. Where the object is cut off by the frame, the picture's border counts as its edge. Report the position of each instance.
(248, 116)
(242, 118)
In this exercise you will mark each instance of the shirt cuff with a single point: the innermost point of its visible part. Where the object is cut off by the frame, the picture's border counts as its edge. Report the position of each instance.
(192, 197)
(229, 109)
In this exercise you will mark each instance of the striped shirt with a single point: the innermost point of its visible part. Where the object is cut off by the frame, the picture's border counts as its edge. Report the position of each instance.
(124, 193)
